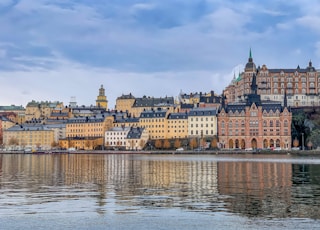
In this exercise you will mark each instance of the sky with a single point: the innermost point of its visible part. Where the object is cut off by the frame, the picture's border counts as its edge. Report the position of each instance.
(52, 50)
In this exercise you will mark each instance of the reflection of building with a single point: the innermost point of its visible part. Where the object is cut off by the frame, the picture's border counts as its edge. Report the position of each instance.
(256, 188)
(188, 182)
(254, 123)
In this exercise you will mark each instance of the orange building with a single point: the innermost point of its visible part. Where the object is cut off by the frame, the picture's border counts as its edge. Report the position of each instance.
(86, 132)
(254, 123)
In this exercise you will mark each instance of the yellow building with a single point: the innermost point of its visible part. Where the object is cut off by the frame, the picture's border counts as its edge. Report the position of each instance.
(155, 122)
(135, 106)
(102, 101)
(125, 102)
(177, 125)
(5, 124)
(86, 132)
(126, 122)
(202, 122)
(35, 136)
(41, 110)
(151, 103)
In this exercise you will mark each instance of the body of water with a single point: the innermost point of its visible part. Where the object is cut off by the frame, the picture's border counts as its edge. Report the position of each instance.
(126, 191)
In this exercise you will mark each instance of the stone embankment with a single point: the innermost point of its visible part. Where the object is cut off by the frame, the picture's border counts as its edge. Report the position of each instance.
(312, 153)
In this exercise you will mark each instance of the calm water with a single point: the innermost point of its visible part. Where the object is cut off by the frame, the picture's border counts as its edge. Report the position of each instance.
(159, 192)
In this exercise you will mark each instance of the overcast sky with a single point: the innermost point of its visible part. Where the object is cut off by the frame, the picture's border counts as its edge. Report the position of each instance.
(56, 49)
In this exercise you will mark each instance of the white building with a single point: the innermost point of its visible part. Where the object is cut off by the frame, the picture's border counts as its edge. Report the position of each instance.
(116, 137)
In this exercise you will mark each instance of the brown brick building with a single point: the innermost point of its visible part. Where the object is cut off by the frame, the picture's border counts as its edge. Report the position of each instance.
(253, 123)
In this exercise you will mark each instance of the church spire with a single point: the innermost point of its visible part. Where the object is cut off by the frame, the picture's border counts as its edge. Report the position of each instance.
(250, 56)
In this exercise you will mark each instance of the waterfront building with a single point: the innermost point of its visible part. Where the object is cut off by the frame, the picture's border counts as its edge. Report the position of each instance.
(86, 132)
(41, 110)
(155, 121)
(115, 138)
(5, 124)
(254, 123)
(102, 101)
(177, 124)
(301, 85)
(202, 123)
(137, 138)
(36, 136)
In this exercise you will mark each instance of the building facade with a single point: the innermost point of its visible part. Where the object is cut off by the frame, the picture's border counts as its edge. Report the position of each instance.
(301, 85)
(125, 102)
(35, 136)
(86, 132)
(116, 137)
(177, 125)
(137, 138)
(155, 122)
(254, 123)
(202, 122)
(17, 114)
(5, 124)
(41, 110)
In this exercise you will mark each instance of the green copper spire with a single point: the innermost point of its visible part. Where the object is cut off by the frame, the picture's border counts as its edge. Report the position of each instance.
(250, 54)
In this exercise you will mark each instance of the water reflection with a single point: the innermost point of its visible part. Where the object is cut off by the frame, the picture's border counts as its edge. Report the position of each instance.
(121, 184)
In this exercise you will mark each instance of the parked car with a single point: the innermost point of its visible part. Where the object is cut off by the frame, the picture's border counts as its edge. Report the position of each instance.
(179, 149)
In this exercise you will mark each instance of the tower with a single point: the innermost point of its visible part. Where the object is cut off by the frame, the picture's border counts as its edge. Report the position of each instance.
(102, 99)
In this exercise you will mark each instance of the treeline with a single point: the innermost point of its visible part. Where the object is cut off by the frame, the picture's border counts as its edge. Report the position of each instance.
(186, 143)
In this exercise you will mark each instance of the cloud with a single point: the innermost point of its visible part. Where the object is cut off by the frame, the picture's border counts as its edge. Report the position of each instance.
(69, 79)
(58, 49)
(310, 21)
